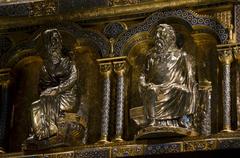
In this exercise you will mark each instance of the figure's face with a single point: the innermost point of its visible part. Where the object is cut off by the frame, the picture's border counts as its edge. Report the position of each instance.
(163, 39)
(55, 47)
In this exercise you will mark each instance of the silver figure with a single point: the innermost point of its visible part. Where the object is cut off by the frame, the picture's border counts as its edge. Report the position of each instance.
(57, 86)
(167, 84)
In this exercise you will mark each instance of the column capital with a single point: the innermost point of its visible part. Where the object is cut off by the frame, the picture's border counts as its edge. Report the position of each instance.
(228, 51)
(236, 53)
(105, 67)
(225, 56)
(117, 63)
(119, 67)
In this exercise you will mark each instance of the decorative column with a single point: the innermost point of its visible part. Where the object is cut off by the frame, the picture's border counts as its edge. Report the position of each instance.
(205, 92)
(119, 68)
(236, 53)
(105, 69)
(4, 108)
(106, 66)
(226, 58)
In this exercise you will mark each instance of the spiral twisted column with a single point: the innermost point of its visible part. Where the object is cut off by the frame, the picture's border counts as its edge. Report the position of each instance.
(105, 70)
(226, 57)
(119, 68)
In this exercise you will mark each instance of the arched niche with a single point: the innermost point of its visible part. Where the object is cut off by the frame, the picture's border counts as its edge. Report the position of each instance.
(25, 60)
(196, 35)
(137, 48)
(25, 90)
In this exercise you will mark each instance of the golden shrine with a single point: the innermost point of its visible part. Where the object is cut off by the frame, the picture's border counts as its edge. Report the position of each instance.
(119, 78)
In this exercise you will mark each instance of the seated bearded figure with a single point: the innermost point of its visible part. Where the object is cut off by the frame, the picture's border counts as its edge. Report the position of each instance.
(55, 116)
(167, 84)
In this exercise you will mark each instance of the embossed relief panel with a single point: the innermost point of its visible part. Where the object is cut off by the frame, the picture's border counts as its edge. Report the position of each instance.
(77, 43)
(53, 7)
(90, 84)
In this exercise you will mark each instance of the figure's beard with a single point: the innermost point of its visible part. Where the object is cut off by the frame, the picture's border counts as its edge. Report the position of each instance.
(55, 60)
(162, 45)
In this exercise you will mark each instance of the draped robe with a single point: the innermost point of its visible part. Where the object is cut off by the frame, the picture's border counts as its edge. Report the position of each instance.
(48, 109)
(174, 88)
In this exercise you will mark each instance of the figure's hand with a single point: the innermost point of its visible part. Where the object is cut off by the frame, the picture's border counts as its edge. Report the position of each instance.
(153, 87)
(49, 92)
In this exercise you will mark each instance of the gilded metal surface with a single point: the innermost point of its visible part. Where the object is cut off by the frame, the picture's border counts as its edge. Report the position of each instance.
(127, 150)
(69, 154)
(43, 8)
(236, 52)
(167, 83)
(122, 2)
(154, 132)
(92, 45)
(142, 149)
(206, 56)
(84, 37)
(226, 56)
(225, 17)
(200, 145)
(5, 2)
(111, 59)
(4, 75)
(192, 19)
(103, 12)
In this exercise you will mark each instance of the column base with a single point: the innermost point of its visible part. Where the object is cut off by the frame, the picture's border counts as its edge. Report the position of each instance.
(226, 131)
(103, 140)
(118, 139)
